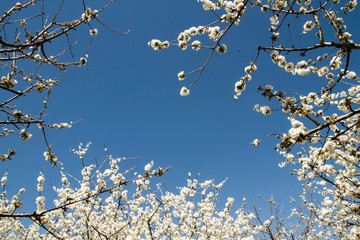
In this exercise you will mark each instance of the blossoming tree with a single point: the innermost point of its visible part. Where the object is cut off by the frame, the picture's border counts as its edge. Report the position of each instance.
(23, 46)
(322, 145)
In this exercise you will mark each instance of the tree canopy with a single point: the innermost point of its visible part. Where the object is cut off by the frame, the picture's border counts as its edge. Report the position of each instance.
(321, 149)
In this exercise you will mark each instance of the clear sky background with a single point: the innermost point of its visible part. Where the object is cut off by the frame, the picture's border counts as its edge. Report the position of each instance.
(128, 100)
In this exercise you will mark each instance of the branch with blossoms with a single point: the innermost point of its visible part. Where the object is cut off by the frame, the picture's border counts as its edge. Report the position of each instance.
(214, 34)
(39, 214)
(234, 10)
(26, 44)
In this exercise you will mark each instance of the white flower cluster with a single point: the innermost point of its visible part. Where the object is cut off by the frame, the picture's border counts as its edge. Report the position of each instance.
(82, 150)
(233, 9)
(102, 206)
(351, 5)
(303, 67)
(241, 84)
(4, 180)
(8, 81)
(330, 164)
(264, 110)
(297, 130)
(25, 135)
(308, 26)
(41, 180)
(335, 62)
(158, 45)
(214, 34)
(184, 91)
(51, 157)
(88, 14)
(62, 125)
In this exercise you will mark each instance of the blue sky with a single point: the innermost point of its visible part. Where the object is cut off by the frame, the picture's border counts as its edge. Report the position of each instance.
(128, 100)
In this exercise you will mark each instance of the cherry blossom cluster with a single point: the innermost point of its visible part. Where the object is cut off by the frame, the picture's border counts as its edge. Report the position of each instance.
(231, 13)
(240, 86)
(158, 45)
(102, 204)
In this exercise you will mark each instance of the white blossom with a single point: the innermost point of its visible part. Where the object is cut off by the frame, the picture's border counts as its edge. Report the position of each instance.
(181, 75)
(184, 91)
(25, 135)
(308, 26)
(93, 31)
(222, 49)
(265, 110)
